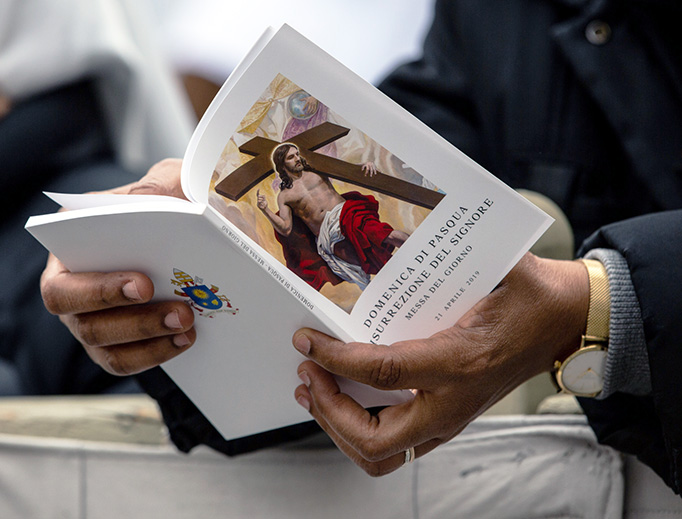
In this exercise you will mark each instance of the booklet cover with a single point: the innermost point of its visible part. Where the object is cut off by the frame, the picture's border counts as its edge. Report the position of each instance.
(315, 201)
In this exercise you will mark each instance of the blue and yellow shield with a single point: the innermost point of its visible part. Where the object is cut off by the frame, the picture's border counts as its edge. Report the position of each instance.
(203, 297)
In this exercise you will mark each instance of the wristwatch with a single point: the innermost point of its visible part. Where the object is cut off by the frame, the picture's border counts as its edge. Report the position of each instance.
(582, 373)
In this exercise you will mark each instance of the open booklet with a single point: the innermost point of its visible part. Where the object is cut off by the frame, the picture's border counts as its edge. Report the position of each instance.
(314, 201)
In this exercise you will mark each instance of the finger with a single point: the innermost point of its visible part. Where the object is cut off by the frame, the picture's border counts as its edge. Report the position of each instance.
(65, 292)
(377, 443)
(129, 324)
(136, 357)
(399, 366)
(369, 168)
(374, 469)
(163, 178)
(374, 437)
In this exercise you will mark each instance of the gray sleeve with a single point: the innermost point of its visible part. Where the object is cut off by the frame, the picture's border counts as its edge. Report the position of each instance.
(627, 362)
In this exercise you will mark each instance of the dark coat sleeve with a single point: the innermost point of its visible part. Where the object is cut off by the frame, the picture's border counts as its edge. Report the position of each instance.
(649, 427)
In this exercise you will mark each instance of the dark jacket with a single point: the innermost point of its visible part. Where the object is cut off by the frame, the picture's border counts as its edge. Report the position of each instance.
(517, 86)
(582, 101)
(651, 426)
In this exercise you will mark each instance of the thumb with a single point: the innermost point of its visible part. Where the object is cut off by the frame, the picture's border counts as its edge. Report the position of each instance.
(399, 366)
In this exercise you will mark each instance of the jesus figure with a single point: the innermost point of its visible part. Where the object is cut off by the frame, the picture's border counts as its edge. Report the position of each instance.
(349, 235)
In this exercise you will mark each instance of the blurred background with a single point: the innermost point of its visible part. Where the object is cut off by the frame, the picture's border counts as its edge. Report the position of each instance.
(204, 39)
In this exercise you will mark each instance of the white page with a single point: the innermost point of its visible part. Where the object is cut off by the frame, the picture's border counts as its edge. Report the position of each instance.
(73, 201)
(193, 184)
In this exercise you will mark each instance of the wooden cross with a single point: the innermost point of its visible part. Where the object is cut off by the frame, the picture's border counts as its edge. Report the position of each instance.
(245, 177)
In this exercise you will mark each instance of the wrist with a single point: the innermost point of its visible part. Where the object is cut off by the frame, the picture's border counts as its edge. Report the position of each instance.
(545, 313)
(582, 372)
(565, 308)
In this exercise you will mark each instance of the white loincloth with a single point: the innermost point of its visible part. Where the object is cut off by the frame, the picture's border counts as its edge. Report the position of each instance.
(330, 235)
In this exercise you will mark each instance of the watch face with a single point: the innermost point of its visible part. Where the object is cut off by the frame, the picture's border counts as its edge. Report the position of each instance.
(583, 372)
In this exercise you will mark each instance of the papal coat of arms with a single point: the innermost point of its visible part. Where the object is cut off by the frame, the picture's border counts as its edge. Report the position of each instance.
(204, 299)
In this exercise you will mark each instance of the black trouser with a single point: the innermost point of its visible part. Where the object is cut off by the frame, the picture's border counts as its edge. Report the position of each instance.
(56, 141)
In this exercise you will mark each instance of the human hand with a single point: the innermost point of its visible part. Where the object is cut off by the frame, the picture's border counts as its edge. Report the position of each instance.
(369, 169)
(163, 178)
(110, 313)
(261, 201)
(536, 315)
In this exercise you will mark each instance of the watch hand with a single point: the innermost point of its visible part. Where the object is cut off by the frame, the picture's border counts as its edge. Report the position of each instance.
(587, 373)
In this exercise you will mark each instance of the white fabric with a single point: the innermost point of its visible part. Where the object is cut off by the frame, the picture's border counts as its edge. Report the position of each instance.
(522, 467)
(646, 497)
(330, 234)
(503, 467)
(370, 37)
(47, 43)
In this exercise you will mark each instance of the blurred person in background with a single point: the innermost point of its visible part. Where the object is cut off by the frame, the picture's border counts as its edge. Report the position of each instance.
(86, 103)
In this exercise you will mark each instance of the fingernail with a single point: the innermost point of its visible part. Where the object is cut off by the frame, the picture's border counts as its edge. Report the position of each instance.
(172, 320)
(303, 402)
(130, 291)
(181, 340)
(302, 344)
(304, 378)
